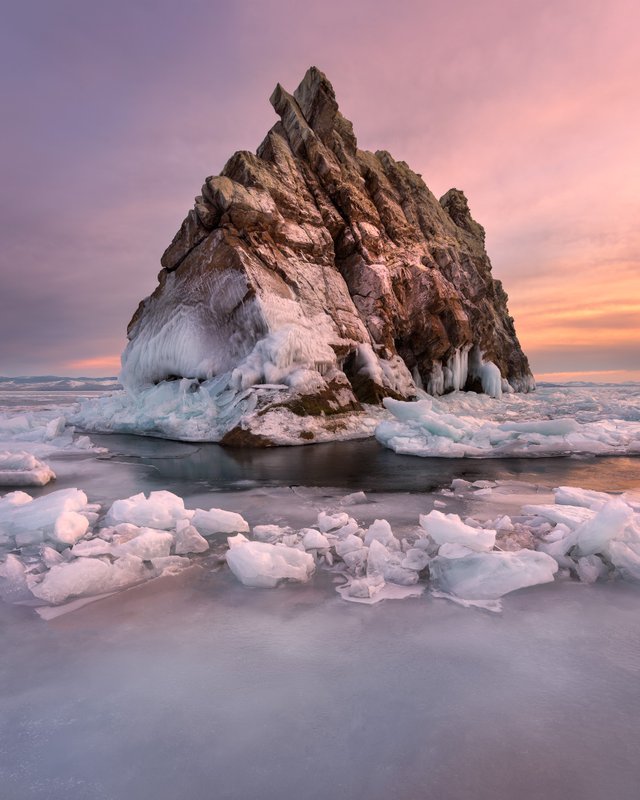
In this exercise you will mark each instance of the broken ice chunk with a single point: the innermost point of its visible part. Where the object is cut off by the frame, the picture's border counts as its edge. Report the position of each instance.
(13, 583)
(353, 499)
(590, 568)
(161, 510)
(450, 528)
(488, 576)
(91, 547)
(364, 587)
(329, 522)
(217, 520)
(454, 550)
(386, 565)
(23, 469)
(263, 565)
(148, 544)
(626, 558)
(380, 531)
(314, 540)
(610, 522)
(169, 565)
(350, 542)
(356, 560)
(188, 540)
(269, 533)
(69, 527)
(84, 576)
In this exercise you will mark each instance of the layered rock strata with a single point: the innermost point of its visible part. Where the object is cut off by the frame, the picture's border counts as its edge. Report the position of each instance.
(317, 277)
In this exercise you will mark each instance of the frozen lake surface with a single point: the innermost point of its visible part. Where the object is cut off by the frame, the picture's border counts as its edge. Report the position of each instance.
(195, 686)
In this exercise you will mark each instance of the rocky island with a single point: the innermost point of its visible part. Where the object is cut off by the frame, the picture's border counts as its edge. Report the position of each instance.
(310, 280)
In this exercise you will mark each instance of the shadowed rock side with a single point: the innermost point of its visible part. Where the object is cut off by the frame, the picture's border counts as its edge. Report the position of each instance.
(326, 275)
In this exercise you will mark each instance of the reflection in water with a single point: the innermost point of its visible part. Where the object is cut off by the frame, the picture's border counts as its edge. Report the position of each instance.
(357, 465)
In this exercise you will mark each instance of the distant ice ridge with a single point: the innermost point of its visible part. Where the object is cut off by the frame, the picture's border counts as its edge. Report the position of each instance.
(593, 420)
(60, 548)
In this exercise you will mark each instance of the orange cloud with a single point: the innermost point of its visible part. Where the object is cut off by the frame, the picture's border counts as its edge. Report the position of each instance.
(109, 364)
(595, 376)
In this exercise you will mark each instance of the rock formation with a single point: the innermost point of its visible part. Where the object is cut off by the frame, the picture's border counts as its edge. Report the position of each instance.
(315, 277)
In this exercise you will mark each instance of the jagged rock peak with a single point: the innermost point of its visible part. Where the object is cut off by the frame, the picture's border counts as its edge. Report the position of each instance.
(314, 277)
(456, 205)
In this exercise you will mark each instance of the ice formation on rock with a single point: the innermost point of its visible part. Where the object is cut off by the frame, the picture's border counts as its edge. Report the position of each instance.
(309, 279)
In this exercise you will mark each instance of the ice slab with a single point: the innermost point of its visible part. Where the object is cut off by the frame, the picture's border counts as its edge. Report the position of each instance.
(56, 516)
(188, 540)
(489, 576)
(217, 520)
(23, 469)
(88, 576)
(264, 565)
(160, 510)
(449, 528)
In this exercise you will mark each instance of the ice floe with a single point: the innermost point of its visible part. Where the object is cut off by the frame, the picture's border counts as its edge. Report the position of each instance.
(264, 565)
(544, 423)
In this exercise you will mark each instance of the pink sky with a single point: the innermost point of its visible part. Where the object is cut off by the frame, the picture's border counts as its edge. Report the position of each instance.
(116, 112)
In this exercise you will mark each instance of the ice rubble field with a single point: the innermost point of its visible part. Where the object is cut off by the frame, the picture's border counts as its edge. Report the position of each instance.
(599, 420)
(60, 547)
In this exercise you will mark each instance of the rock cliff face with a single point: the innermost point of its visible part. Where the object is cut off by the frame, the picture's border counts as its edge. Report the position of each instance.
(316, 277)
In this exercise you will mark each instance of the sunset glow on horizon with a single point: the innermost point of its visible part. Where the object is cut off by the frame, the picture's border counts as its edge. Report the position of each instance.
(115, 114)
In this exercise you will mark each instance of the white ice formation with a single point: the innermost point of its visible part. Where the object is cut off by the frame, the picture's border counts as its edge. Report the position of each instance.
(19, 468)
(551, 422)
(59, 546)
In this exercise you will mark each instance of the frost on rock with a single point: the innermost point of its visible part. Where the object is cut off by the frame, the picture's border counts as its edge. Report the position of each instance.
(23, 469)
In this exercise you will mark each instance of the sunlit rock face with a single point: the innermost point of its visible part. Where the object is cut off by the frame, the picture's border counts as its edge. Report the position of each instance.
(326, 275)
